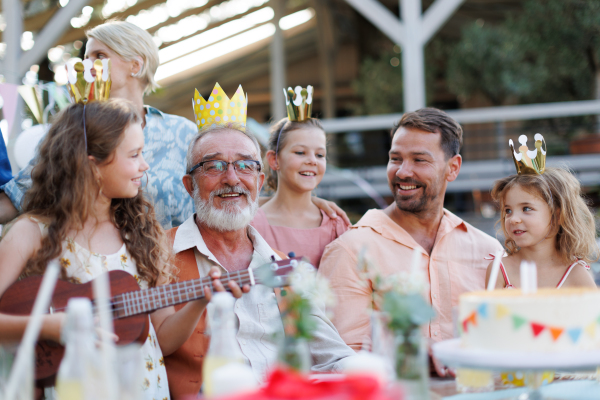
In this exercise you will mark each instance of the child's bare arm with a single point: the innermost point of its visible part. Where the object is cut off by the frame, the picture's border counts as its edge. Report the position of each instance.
(19, 245)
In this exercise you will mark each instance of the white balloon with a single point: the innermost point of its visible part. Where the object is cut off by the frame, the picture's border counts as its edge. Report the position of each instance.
(27, 142)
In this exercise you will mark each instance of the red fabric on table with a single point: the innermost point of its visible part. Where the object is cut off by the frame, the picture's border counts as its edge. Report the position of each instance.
(288, 385)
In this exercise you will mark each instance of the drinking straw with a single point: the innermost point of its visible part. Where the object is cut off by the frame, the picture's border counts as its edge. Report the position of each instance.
(32, 331)
(101, 287)
(495, 269)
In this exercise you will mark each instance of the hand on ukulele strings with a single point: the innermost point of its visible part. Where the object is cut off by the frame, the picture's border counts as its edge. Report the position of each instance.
(234, 288)
(101, 334)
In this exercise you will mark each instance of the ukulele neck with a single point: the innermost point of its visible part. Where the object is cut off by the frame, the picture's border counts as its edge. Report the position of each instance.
(148, 300)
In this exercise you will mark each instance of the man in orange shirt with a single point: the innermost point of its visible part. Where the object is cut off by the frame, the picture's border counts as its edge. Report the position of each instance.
(423, 159)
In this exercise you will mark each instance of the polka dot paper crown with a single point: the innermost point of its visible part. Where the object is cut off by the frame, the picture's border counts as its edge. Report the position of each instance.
(83, 86)
(220, 109)
(529, 161)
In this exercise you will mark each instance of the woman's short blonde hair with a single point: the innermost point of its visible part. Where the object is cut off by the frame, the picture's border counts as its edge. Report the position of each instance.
(130, 42)
(557, 187)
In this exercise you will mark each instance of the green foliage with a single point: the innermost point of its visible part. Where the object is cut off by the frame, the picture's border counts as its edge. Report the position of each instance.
(380, 85)
(548, 52)
(296, 318)
(486, 61)
(406, 311)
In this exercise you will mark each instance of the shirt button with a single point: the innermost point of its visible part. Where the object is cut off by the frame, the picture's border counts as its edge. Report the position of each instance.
(237, 305)
(435, 296)
(243, 341)
(435, 333)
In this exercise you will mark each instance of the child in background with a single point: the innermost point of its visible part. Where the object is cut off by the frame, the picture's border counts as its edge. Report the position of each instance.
(546, 220)
(289, 221)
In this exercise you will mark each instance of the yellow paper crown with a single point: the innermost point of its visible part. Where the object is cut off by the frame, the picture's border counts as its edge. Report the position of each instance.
(219, 108)
(529, 161)
(299, 109)
(85, 87)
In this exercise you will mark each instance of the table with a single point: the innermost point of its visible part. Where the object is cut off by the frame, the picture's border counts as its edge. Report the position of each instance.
(442, 387)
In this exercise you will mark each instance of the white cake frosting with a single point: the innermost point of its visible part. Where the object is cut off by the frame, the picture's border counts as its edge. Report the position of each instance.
(551, 320)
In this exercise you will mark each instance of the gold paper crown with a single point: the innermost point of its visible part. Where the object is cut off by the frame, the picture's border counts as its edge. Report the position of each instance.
(219, 108)
(85, 87)
(529, 161)
(300, 108)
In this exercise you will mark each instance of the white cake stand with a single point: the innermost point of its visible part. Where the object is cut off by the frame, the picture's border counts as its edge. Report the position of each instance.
(453, 355)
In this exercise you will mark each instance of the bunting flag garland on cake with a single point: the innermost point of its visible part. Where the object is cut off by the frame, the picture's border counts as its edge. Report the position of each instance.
(501, 311)
(556, 332)
(574, 333)
(537, 328)
(472, 319)
(482, 310)
(591, 330)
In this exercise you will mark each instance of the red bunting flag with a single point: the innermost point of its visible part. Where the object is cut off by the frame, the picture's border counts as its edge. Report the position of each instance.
(537, 328)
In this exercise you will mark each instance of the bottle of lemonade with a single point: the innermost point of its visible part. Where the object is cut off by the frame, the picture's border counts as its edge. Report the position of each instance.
(74, 380)
(224, 348)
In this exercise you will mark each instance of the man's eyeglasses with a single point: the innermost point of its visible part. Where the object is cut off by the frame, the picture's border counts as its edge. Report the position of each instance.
(217, 167)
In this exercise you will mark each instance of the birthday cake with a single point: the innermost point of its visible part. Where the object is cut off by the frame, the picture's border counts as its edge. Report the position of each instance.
(550, 320)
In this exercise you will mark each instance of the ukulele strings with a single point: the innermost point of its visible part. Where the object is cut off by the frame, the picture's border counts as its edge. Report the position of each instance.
(168, 292)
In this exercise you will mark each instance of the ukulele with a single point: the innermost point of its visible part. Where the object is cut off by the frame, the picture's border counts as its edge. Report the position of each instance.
(130, 304)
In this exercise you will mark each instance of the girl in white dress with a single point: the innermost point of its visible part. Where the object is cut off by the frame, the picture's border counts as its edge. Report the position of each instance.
(86, 209)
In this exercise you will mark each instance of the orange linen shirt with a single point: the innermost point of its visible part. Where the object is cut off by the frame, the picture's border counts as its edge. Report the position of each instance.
(455, 266)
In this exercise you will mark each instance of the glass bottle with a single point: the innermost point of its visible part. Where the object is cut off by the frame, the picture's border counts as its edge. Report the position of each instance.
(224, 348)
(76, 372)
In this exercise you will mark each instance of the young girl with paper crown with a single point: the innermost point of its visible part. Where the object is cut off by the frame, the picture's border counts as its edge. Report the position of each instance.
(86, 210)
(297, 152)
(545, 220)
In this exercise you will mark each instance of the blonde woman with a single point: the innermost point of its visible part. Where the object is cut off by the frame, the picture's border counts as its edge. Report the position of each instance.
(134, 59)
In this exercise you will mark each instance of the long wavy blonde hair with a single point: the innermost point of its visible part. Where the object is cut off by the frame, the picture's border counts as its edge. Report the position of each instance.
(557, 187)
(66, 184)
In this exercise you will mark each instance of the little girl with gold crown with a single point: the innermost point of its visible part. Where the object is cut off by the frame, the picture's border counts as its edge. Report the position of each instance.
(545, 219)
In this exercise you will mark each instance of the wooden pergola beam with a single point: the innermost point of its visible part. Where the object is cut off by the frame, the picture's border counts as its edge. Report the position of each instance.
(79, 33)
(214, 25)
(188, 13)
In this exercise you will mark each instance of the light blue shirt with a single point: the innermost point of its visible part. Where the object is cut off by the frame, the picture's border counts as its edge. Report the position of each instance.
(166, 142)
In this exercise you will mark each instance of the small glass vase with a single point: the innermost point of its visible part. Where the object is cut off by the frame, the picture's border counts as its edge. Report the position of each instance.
(411, 364)
(294, 354)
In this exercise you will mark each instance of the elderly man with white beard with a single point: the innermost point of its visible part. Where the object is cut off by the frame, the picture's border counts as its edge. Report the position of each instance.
(224, 177)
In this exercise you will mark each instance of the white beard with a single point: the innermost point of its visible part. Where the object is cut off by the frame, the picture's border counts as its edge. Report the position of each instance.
(230, 218)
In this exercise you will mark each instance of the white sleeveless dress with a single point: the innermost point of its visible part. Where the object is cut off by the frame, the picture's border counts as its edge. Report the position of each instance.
(81, 266)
